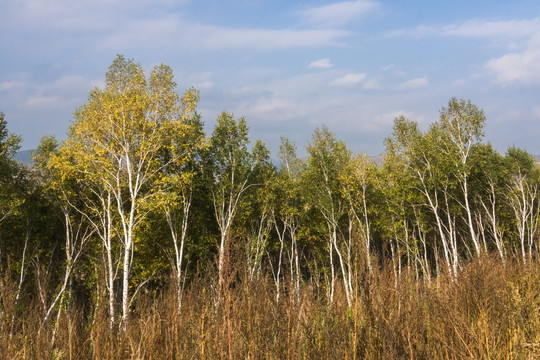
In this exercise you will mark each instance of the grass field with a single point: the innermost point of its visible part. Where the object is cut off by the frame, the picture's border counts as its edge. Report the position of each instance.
(492, 311)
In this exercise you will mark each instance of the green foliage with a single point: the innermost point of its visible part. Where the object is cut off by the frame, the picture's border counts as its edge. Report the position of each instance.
(328, 158)
(15, 194)
(10, 171)
(520, 162)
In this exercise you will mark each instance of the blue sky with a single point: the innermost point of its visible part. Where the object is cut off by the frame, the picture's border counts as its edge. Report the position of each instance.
(288, 66)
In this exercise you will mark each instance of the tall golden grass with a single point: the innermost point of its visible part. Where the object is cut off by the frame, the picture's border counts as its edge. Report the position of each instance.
(492, 311)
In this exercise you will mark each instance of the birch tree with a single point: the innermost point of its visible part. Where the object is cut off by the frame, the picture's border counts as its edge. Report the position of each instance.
(117, 143)
(257, 215)
(421, 160)
(287, 214)
(523, 199)
(357, 180)
(461, 127)
(93, 200)
(77, 232)
(186, 151)
(231, 168)
(329, 157)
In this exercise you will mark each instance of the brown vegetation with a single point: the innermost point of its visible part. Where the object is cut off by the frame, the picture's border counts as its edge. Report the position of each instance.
(491, 312)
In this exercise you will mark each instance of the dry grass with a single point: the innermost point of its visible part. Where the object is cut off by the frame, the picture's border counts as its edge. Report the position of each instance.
(491, 312)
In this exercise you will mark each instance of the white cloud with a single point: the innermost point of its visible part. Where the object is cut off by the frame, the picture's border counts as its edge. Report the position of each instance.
(518, 67)
(67, 83)
(266, 39)
(476, 28)
(349, 80)
(321, 64)
(43, 102)
(522, 65)
(205, 85)
(372, 84)
(80, 15)
(535, 112)
(37, 106)
(339, 13)
(386, 120)
(272, 109)
(11, 85)
(171, 31)
(521, 37)
(419, 31)
(122, 25)
(482, 29)
(460, 82)
(25, 92)
(394, 69)
(412, 84)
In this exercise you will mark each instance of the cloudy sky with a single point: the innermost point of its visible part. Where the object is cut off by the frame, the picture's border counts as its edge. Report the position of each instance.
(288, 66)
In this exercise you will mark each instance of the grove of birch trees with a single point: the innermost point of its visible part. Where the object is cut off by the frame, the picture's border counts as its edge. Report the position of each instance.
(138, 194)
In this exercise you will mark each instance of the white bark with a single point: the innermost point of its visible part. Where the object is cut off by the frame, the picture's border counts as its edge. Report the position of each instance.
(179, 243)
(433, 205)
(98, 212)
(22, 276)
(524, 202)
(490, 211)
(226, 203)
(257, 241)
(276, 272)
(76, 238)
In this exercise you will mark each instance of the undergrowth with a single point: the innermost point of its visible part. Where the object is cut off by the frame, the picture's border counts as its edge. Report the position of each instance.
(491, 311)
